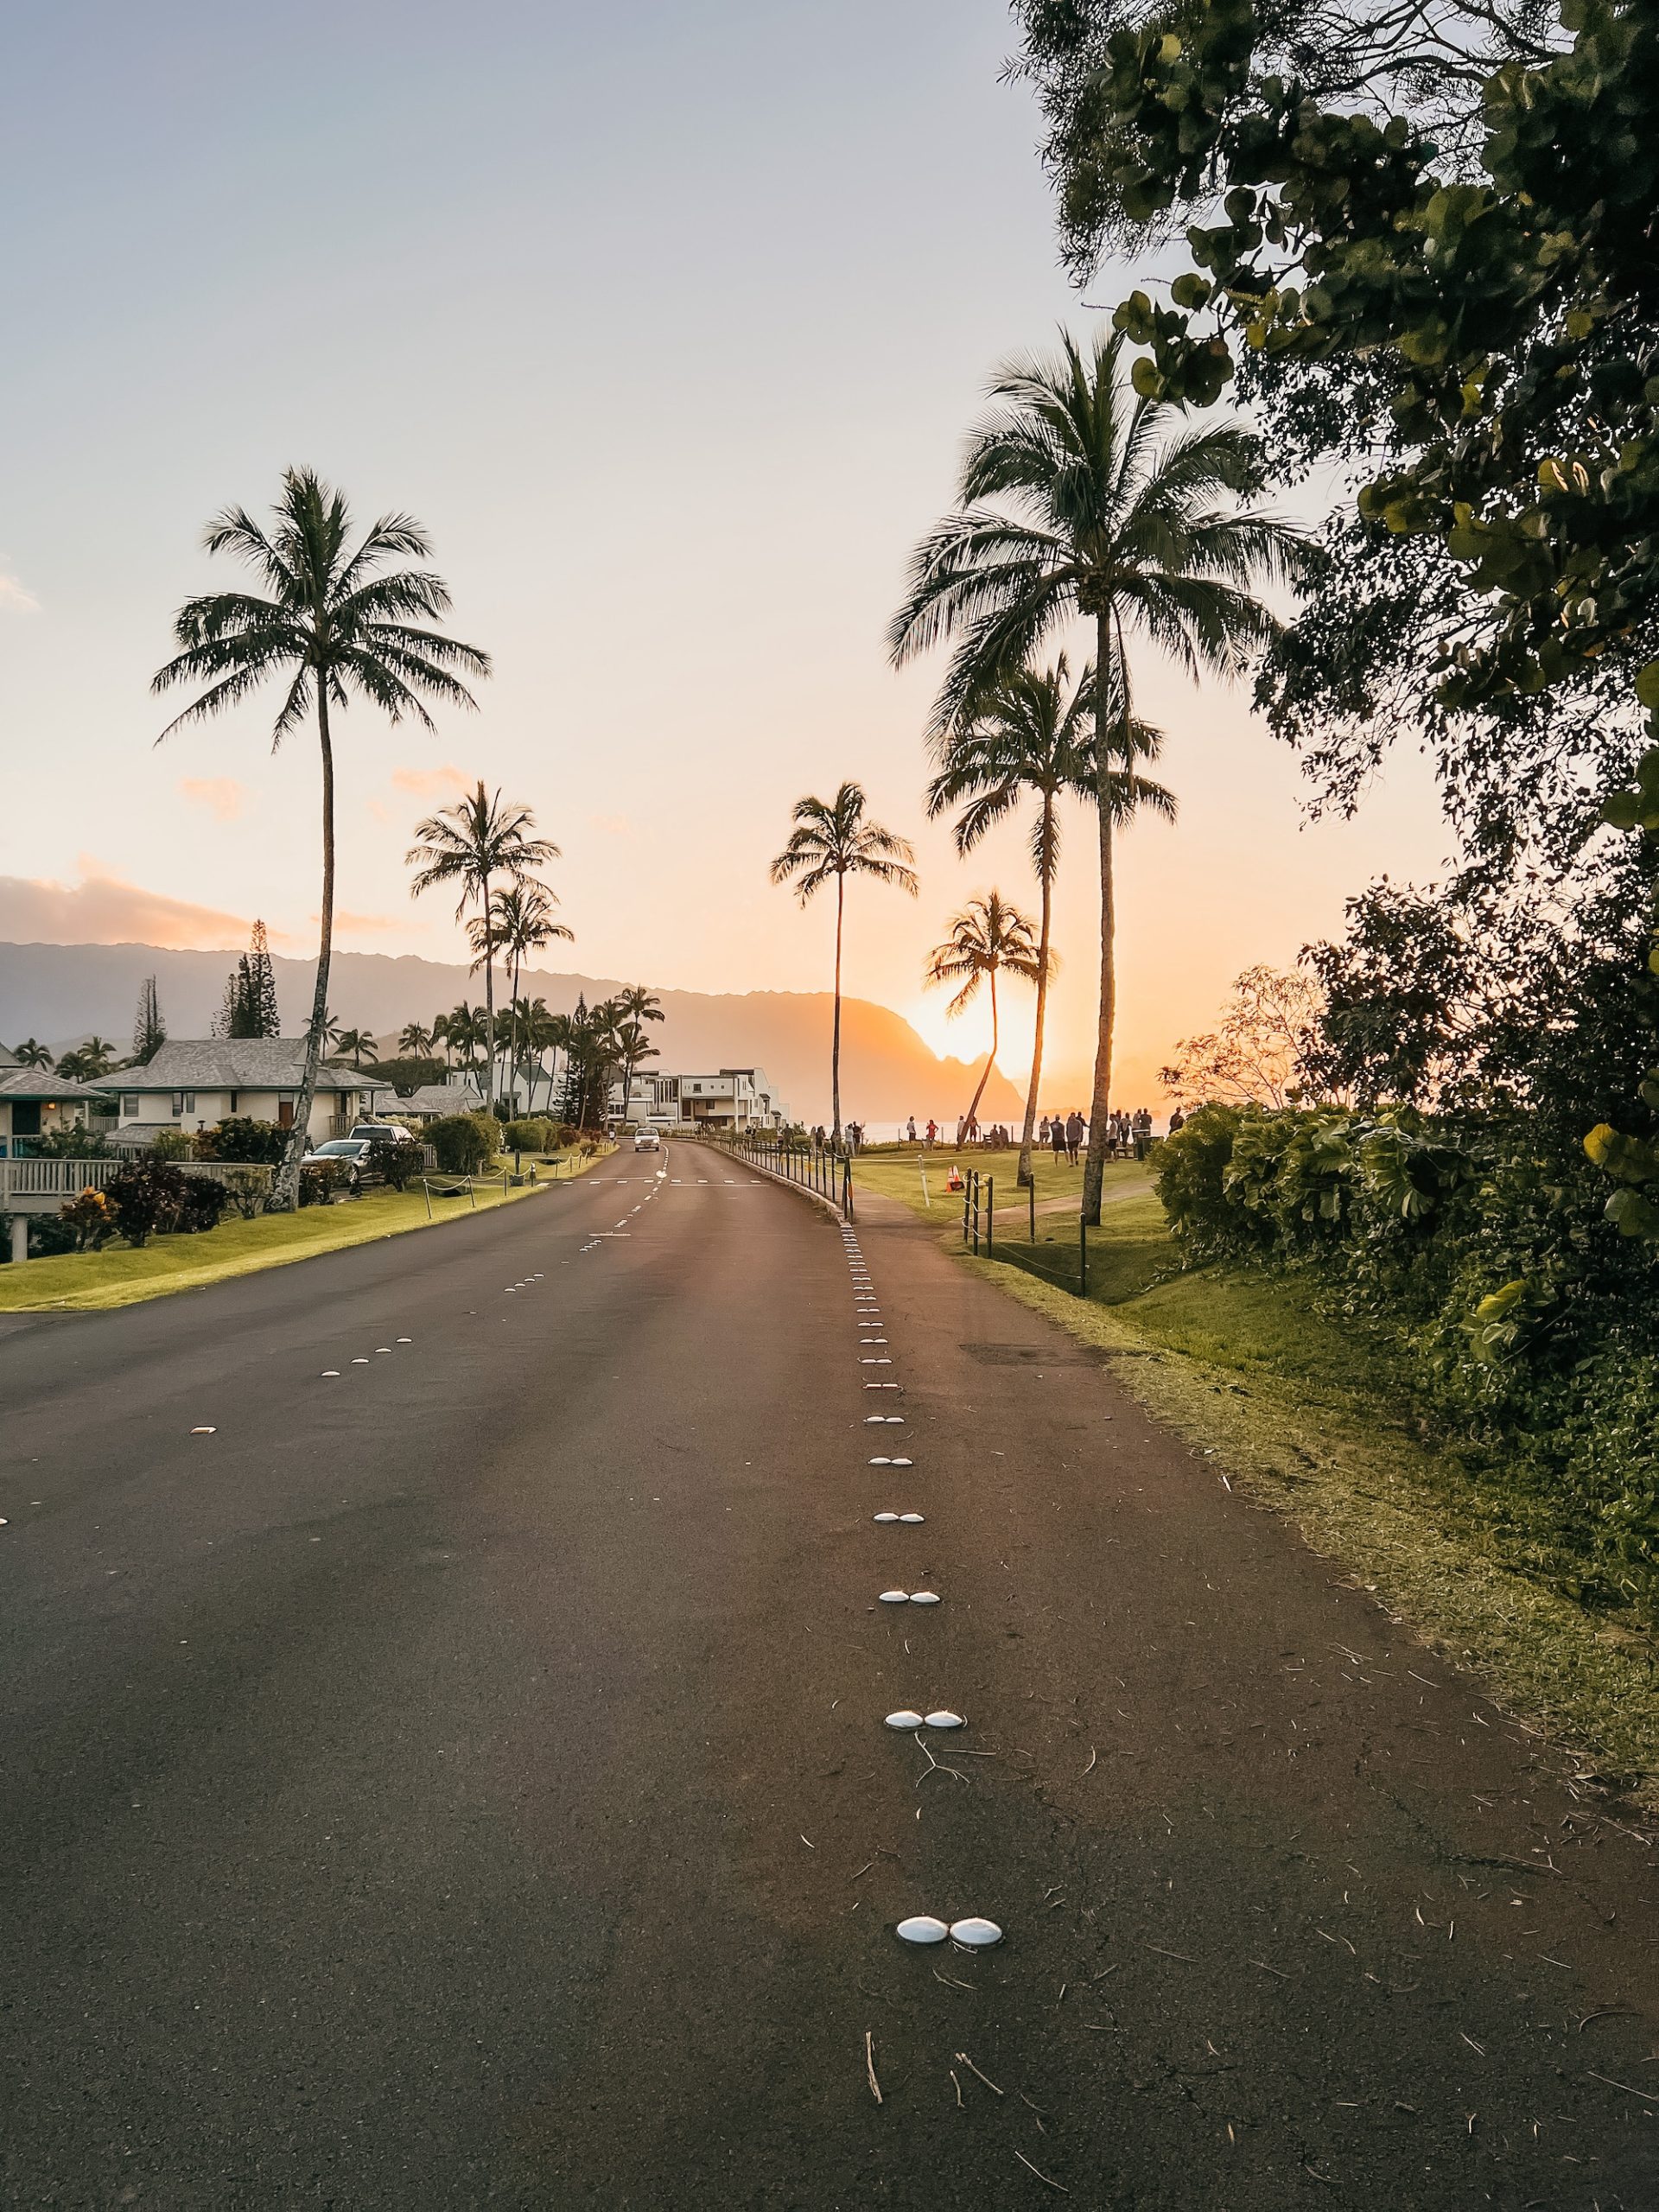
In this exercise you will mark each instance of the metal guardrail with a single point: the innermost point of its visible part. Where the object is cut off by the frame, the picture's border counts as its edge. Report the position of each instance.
(816, 1167)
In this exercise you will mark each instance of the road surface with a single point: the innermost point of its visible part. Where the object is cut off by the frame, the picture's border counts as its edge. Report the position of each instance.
(460, 1779)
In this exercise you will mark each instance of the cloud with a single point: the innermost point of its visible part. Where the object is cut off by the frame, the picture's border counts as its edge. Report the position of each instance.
(13, 595)
(222, 796)
(102, 909)
(430, 783)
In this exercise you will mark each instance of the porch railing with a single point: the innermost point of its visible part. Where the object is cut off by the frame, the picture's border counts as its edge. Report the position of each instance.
(67, 1178)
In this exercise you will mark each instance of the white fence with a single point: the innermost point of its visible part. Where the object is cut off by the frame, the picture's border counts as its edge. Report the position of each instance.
(67, 1179)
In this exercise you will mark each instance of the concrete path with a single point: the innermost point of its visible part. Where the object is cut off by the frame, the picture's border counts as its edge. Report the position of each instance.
(461, 1780)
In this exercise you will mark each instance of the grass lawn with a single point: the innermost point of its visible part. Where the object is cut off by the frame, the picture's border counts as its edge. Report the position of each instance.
(898, 1175)
(1308, 1417)
(82, 1282)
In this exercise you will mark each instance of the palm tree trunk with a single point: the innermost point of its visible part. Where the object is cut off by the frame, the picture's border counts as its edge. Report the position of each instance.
(1028, 1135)
(990, 1057)
(489, 1007)
(834, 1044)
(1095, 1167)
(287, 1192)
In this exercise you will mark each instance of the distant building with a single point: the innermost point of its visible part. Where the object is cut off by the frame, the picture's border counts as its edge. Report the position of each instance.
(734, 1099)
(433, 1100)
(190, 1084)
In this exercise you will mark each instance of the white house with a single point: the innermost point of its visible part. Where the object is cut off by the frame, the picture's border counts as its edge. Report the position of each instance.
(191, 1084)
(435, 1100)
(731, 1098)
(34, 1102)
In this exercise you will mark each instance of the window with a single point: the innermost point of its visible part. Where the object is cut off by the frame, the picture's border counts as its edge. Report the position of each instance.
(129, 1105)
(184, 1101)
(233, 1099)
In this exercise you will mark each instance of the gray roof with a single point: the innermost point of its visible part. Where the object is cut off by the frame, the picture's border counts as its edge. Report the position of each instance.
(41, 1082)
(236, 1063)
(9, 1059)
(435, 1098)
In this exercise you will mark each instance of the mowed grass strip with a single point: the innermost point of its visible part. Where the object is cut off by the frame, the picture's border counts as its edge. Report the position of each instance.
(900, 1175)
(1307, 1417)
(86, 1282)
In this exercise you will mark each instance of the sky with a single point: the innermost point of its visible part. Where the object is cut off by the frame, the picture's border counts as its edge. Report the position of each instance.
(668, 322)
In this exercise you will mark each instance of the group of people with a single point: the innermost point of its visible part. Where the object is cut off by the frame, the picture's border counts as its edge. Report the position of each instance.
(1129, 1135)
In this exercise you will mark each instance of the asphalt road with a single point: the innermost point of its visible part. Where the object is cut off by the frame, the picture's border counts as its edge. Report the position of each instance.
(461, 1781)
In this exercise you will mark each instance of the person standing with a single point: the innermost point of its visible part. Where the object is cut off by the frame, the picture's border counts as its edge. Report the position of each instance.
(910, 1128)
(1073, 1136)
(1057, 1137)
(1142, 1133)
(932, 1132)
(1177, 1122)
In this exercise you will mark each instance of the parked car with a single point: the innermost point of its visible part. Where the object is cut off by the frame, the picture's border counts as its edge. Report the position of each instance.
(381, 1132)
(647, 1141)
(351, 1154)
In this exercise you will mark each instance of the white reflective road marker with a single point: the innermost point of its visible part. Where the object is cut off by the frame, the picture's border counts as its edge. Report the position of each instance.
(923, 1597)
(327, 1371)
(912, 1520)
(905, 1720)
(204, 1431)
(884, 1516)
(361, 1360)
(974, 1932)
(945, 1719)
(922, 1927)
(894, 1598)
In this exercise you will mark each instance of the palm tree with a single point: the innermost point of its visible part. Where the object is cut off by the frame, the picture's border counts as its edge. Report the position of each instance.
(520, 922)
(88, 1063)
(1081, 499)
(830, 842)
(473, 843)
(538, 1031)
(415, 1042)
(356, 1042)
(31, 1053)
(1024, 735)
(459, 1031)
(987, 935)
(635, 1005)
(332, 619)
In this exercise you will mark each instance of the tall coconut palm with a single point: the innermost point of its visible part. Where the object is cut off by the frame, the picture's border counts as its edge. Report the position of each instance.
(333, 620)
(415, 1041)
(477, 843)
(31, 1053)
(1029, 736)
(986, 938)
(538, 1031)
(520, 922)
(1082, 500)
(832, 840)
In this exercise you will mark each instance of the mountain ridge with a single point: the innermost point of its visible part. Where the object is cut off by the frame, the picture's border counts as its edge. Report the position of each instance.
(62, 993)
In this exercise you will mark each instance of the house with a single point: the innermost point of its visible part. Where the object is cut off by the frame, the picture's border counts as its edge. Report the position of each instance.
(433, 1100)
(34, 1102)
(734, 1099)
(190, 1084)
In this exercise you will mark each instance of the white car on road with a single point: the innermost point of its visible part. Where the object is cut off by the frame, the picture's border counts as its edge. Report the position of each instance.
(647, 1141)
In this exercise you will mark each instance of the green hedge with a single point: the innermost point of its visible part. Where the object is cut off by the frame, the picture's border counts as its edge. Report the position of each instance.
(1512, 1316)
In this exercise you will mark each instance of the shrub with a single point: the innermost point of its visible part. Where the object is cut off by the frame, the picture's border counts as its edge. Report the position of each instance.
(257, 1144)
(463, 1143)
(205, 1201)
(72, 1144)
(245, 1189)
(394, 1163)
(145, 1197)
(530, 1133)
(91, 1218)
(318, 1181)
(173, 1144)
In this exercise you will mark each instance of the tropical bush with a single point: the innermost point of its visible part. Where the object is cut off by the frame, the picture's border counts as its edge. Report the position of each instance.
(203, 1205)
(395, 1163)
(318, 1180)
(530, 1133)
(240, 1138)
(91, 1219)
(1475, 1257)
(463, 1143)
(72, 1144)
(145, 1197)
(173, 1144)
